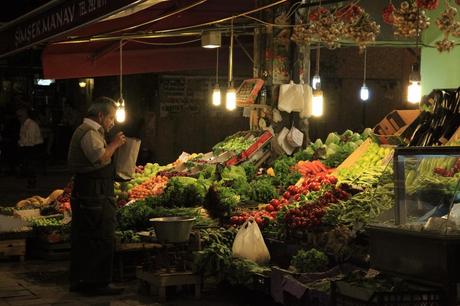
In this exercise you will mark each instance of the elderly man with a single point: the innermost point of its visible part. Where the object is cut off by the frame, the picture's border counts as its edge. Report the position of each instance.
(93, 203)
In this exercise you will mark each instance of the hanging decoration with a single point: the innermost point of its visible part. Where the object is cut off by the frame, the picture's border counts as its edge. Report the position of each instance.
(428, 4)
(387, 15)
(360, 27)
(329, 27)
(406, 19)
(322, 26)
(449, 26)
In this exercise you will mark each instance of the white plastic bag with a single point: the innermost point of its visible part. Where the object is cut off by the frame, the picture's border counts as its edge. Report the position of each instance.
(249, 243)
(294, 137)
(282, 141)
(291, 97)
(307, 99)
(126, 157)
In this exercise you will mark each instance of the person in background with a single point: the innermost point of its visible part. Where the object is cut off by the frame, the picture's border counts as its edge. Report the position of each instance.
(30, 141)
(93, 203)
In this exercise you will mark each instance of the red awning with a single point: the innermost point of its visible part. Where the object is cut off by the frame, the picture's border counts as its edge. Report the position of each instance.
(101, 58)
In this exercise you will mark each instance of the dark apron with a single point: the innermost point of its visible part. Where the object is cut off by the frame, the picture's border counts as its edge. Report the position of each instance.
(93, 227)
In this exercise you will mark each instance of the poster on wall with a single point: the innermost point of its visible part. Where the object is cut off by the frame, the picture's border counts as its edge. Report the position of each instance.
(183, 94)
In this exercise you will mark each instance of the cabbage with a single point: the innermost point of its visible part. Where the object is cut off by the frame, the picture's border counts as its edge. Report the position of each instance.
(318, 143)
(332, 138)
(355, 137)
(366, 133)
(347, 133)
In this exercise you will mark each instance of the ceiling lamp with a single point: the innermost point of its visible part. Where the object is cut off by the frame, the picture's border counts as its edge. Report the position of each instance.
(364, 92)
(120, 114)
(82, 84)
(230, 100)
(414, 90)
(317, 103)
(216, 96)
(211, 39)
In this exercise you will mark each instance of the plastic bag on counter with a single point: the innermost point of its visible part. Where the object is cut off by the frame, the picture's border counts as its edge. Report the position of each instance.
(249, 243)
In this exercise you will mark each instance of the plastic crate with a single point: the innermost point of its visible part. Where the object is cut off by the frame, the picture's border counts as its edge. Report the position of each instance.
(428, 297)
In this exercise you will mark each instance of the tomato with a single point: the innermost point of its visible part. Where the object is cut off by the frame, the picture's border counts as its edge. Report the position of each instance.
(286, 195)
(269, 208)
(297, 197)
(234, 219)
(275, 202)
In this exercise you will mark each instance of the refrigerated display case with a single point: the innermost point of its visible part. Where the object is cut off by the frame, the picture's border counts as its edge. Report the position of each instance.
(420, 238)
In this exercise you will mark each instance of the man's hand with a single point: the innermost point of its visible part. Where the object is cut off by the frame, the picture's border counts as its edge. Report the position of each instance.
(119, 140)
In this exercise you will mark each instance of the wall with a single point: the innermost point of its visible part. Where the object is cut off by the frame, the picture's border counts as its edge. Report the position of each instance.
(439, 70)
(342, 76)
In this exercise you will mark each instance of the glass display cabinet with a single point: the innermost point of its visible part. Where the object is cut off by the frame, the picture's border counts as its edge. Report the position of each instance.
(420, 237)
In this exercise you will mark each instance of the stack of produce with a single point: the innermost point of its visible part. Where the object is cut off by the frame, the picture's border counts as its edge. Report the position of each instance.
(236, 143)
(151, 187)
(366, 171)
(335, 149)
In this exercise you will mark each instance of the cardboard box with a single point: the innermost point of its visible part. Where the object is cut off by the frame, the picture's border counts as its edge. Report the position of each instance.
(396, 128)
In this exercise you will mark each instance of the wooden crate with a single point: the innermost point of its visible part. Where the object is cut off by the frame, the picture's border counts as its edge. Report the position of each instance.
(13, 247)
(353, 157)
(157, 282)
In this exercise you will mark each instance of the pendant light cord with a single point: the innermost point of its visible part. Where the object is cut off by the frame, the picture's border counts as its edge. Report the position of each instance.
(121, 69)
(365, 64)
(318, 51)
(230, 58)
(217, 66)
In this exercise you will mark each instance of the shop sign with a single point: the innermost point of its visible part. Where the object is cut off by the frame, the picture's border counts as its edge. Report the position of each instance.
(68, 15)
(183, 94)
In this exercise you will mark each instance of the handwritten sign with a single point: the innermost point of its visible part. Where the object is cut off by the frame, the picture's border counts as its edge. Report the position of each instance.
(183, 94)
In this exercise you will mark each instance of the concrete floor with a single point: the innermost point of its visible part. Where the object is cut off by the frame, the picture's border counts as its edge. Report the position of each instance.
(44, 283)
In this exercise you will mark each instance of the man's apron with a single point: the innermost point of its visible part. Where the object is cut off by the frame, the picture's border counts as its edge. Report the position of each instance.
(93, 227)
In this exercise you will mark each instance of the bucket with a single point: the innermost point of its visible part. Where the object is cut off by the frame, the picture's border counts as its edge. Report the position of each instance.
(172, 229)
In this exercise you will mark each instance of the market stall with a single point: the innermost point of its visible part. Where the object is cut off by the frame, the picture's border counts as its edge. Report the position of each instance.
(300, 221)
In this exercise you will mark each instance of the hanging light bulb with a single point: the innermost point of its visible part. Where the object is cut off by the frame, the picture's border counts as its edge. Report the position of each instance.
(230, 99)
(414, 90)
(216, 97)
(364, 91)
(120, 114)
(317, 103)
(82, 84)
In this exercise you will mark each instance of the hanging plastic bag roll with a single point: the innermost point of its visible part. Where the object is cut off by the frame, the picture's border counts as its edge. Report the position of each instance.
(291, 97)
(249, 243)
(126, 157)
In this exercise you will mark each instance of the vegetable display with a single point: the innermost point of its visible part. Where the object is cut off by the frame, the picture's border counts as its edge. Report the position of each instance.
(310, 261)
(367, 170)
